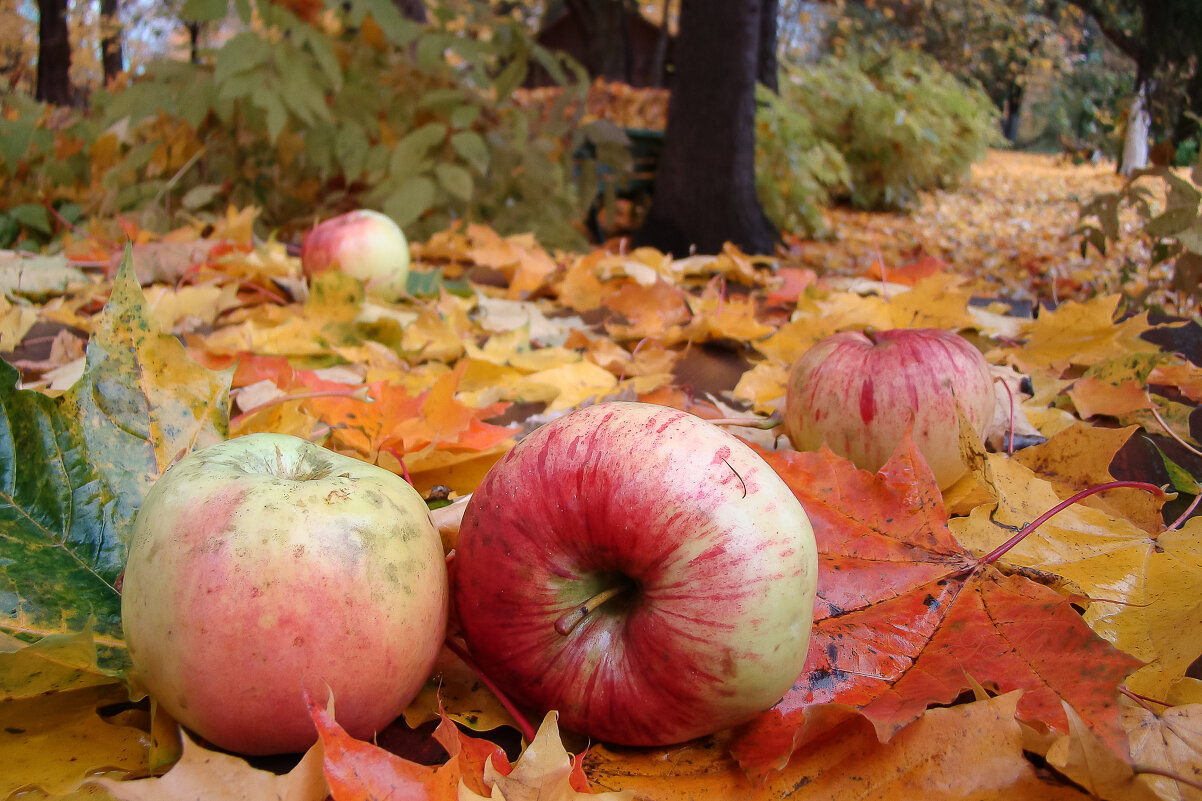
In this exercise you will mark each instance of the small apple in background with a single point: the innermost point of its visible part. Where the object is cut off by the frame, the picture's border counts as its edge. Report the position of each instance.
(858, 391)
(265, 566)
(364, 244)
(641, 571)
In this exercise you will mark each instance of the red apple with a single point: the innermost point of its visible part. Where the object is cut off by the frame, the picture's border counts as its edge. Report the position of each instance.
(858, 391)
(364, 244)
(265, 566)
(641, 571)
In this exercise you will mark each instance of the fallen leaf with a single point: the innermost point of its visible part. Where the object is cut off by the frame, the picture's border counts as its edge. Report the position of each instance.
(1187, 378)
(968, 751)
(1080, 756)
(56, 663)
(1144, 586)
(1079, 333)
(215, 776)
(1079, 457)
(54, 741)
(1169, 741)
(904, 613)
(544, 772)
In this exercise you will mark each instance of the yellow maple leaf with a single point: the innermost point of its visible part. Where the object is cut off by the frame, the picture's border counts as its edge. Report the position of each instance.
(1144, 587)
(1081, 334)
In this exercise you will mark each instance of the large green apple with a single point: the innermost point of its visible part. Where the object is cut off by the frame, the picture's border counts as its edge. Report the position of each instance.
(266, 566)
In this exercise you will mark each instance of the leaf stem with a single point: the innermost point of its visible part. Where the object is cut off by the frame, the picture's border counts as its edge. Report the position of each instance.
(765, 424)
(1189, 510)
(1143, 700)
(1151, 770)
(461, 651)
(353, 394)
(1156, 413)
(1010, 395)
(997, 552)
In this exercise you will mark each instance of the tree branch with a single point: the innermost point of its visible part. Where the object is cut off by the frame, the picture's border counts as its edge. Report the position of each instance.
(1109, 26)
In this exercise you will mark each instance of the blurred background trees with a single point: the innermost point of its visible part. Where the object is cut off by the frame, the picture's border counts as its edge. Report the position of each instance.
(522, 113)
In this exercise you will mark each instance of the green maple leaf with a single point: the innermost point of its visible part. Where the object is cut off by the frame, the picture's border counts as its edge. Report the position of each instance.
(73, 471)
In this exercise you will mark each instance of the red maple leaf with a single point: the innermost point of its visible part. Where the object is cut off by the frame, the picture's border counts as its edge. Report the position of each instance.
(905, 616)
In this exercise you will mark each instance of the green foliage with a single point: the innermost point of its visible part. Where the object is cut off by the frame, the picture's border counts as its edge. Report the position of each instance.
(415, 120)
(1174, 232)
(901, 123)
(795, 171)
(1082, 106)
(74, 469)
(62, 546)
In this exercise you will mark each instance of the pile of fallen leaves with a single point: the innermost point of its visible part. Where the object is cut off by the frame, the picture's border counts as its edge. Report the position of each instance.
(1057, 669)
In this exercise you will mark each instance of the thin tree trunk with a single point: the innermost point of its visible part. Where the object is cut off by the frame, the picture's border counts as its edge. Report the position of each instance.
(1135, 143)
(111, 56)
(194, 30)
(705, 185)
(54, 53)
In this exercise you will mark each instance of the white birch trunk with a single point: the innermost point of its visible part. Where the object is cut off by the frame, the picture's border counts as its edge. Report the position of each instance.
(1135, 146)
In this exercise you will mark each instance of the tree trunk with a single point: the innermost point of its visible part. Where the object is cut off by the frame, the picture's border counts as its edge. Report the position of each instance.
(54, 53)
(600, 23)
(766, 60)
(705, 185)
(194, 29)
(111, 56)
(1135, 142)
(660, 61)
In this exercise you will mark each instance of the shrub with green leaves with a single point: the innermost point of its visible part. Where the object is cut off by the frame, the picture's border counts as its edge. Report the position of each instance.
(415, 120)
(901, 122)
(1174, 232)
(796, 172)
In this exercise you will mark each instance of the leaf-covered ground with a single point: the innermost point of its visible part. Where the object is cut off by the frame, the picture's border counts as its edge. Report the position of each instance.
(1011, 227)
(1059, 669)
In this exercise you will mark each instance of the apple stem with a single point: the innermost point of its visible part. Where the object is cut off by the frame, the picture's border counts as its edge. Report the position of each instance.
(568, 622)
(518, 718)
(997, 552)
(871, 334)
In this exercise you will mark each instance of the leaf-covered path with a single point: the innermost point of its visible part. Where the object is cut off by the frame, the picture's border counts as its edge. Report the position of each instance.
(1011, 227)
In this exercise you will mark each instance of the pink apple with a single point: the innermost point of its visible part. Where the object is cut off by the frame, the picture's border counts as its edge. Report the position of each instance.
(641, 571)
(364, 244)
(265, 566)
(858, 391)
